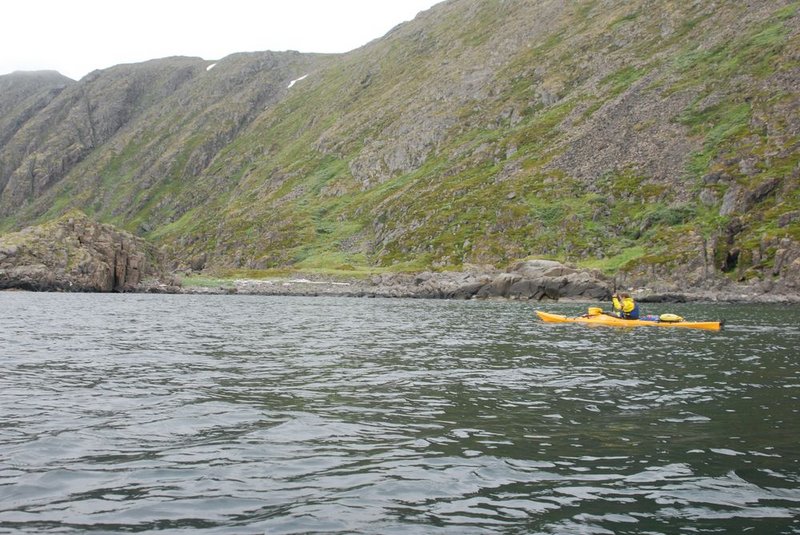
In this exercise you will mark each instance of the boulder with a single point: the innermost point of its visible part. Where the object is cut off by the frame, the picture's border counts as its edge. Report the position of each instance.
(529, 280)
(539, 279)
(499, 287)
(466, 291)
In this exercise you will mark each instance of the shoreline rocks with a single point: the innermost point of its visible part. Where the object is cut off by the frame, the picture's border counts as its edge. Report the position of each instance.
(77, 254)
(530, 280)
(536, 280)
(366, 289)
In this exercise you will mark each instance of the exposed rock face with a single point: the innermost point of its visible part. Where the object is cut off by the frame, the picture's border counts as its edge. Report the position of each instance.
(56, 124)
(24, 94)
(75, 253)
(719, 266)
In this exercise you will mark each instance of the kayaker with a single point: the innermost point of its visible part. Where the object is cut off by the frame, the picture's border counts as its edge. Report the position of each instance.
(624, 306)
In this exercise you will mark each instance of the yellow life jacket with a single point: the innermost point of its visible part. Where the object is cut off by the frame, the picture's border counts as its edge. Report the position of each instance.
(625, 307)
(628, 305)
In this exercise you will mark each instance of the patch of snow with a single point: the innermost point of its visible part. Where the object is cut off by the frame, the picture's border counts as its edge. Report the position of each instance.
(297, 80)
(211, 66)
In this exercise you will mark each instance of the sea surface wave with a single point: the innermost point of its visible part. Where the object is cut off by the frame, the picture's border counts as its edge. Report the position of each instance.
(288, 415)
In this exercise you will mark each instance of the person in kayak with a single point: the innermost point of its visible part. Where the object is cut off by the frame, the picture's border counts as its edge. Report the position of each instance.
(624, 306)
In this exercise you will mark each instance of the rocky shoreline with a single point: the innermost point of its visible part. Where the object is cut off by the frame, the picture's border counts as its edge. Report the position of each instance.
(531, 280)
(76, 254)
(537, 280)
(426, 285)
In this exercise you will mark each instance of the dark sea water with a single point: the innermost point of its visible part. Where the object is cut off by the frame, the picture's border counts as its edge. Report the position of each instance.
(245, 414)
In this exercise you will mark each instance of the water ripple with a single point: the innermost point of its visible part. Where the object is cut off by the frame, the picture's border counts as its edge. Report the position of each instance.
(226, 414)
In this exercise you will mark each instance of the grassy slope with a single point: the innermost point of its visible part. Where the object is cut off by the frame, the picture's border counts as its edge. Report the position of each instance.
(454, 209)
(488, 185)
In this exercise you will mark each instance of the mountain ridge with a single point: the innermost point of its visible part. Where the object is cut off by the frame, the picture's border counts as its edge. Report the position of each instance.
(655, 138)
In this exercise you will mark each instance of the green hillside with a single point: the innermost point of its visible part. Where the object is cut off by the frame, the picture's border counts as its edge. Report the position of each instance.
(660, 138)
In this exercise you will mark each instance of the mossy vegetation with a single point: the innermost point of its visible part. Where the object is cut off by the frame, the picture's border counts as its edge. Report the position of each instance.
(621, 80)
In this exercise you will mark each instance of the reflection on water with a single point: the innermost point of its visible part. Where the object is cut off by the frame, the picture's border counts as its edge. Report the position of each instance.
(234, 414)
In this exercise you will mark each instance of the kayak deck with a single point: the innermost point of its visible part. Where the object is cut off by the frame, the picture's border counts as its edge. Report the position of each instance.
(606, 319)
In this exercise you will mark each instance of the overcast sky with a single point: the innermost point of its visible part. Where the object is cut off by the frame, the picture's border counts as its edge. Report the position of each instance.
(76, 37)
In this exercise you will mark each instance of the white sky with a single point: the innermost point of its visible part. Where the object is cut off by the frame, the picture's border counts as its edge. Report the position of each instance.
(76, 37)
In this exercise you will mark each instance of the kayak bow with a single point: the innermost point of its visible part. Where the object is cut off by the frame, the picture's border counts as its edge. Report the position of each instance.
(606, 319)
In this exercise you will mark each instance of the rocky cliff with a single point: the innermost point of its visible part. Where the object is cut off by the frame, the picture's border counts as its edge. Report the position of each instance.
(75, 253)
(655, 140)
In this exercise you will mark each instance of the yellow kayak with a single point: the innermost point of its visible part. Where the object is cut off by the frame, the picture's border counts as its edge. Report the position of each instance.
(606, 319)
